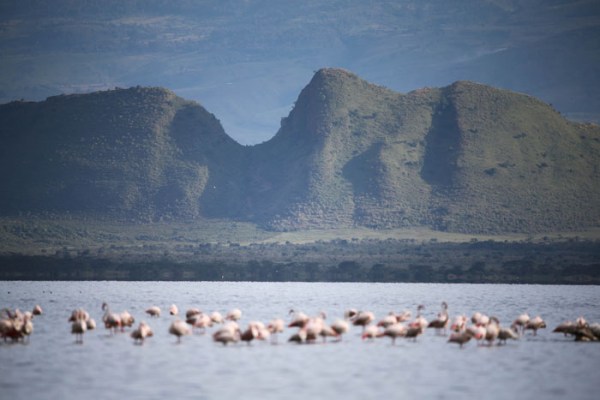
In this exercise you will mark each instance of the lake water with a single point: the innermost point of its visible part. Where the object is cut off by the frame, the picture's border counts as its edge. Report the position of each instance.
(52, 366)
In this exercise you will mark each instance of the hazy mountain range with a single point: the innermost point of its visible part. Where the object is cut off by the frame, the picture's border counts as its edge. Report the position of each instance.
(463, 158)
(245, 60)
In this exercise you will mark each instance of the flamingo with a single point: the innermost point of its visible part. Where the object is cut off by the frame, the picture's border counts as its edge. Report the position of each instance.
(127, 320)
(394, 331)
(570, 327)
(201, 321)
(153, 311)
(328, 331)
(37, 310)
(477, 331)
(141, 333)
(80, 323)
(314, 327)
(413, 332)
(388, 320)
(216, 317)
(81, 315)
(462, 337)
(275, 326)
(404, 316)
(111, 320)
(585, 335)
(341, 327)
(581, 322)
(370, 332)
(310, 328)
(249, 334)
(234, 315)
(581, 330)
(520, 322)
(27, 328)
(507, 333)
(595, 329)
(492, 330)
(173, 310)
(13, 328)
(229, 333)
(20, 326)
(299, 337)
(442, 320)
(534, 324)
(6, 325)
(419, 321)
(566, 327)
(484, 320)
(363, 318)
(78, 328)
(299, 319)
(459, 324)
(480, 319)
(264, 333)
(90, 324)
(192, 312)
(179, 329)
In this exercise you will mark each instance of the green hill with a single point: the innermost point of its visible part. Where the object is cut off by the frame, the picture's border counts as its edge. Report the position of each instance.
(464, 158)
(140, 153)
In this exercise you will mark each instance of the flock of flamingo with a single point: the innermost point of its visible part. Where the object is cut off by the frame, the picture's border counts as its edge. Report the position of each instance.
(18, 326)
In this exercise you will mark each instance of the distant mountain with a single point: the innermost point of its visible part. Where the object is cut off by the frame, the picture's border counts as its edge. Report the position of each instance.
(245, 59)
(463, 158)
(140, 153)
(466, 158)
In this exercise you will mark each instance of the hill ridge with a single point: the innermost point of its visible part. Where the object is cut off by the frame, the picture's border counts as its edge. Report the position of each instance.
(465, 158)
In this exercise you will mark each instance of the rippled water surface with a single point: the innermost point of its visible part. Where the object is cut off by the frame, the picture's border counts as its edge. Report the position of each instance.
(52, 366)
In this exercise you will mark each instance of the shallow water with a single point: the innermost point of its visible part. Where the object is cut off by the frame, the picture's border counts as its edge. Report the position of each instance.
(52, 366)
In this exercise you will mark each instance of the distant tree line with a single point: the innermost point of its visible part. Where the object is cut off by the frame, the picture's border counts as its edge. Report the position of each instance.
(479, 262)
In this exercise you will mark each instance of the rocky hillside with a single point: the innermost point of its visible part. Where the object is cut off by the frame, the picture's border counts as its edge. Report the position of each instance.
(139, 153)
(463, 158)
(466, 158)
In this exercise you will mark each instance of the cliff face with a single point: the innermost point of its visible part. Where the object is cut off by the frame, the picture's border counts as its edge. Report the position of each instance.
(467, 158)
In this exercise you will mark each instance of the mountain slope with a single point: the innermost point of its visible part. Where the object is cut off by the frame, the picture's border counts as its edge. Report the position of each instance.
(464, 158)
(141, 153)
(342, 128)
(512, 161)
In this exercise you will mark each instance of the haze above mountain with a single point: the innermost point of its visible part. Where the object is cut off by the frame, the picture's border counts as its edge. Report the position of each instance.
(246, 60)
(463, 158)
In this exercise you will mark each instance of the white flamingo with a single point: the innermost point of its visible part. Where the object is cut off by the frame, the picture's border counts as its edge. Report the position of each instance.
(363, 318)
(78, 328)
(228, 333)
(153, 311)
(141, 333)
(394, 331)
(234, 315)
(341, 327)
(275, 327)
(111, 320)
(179, 329)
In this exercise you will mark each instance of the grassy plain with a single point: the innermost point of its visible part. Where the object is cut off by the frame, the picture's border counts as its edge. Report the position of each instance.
(82, 249)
